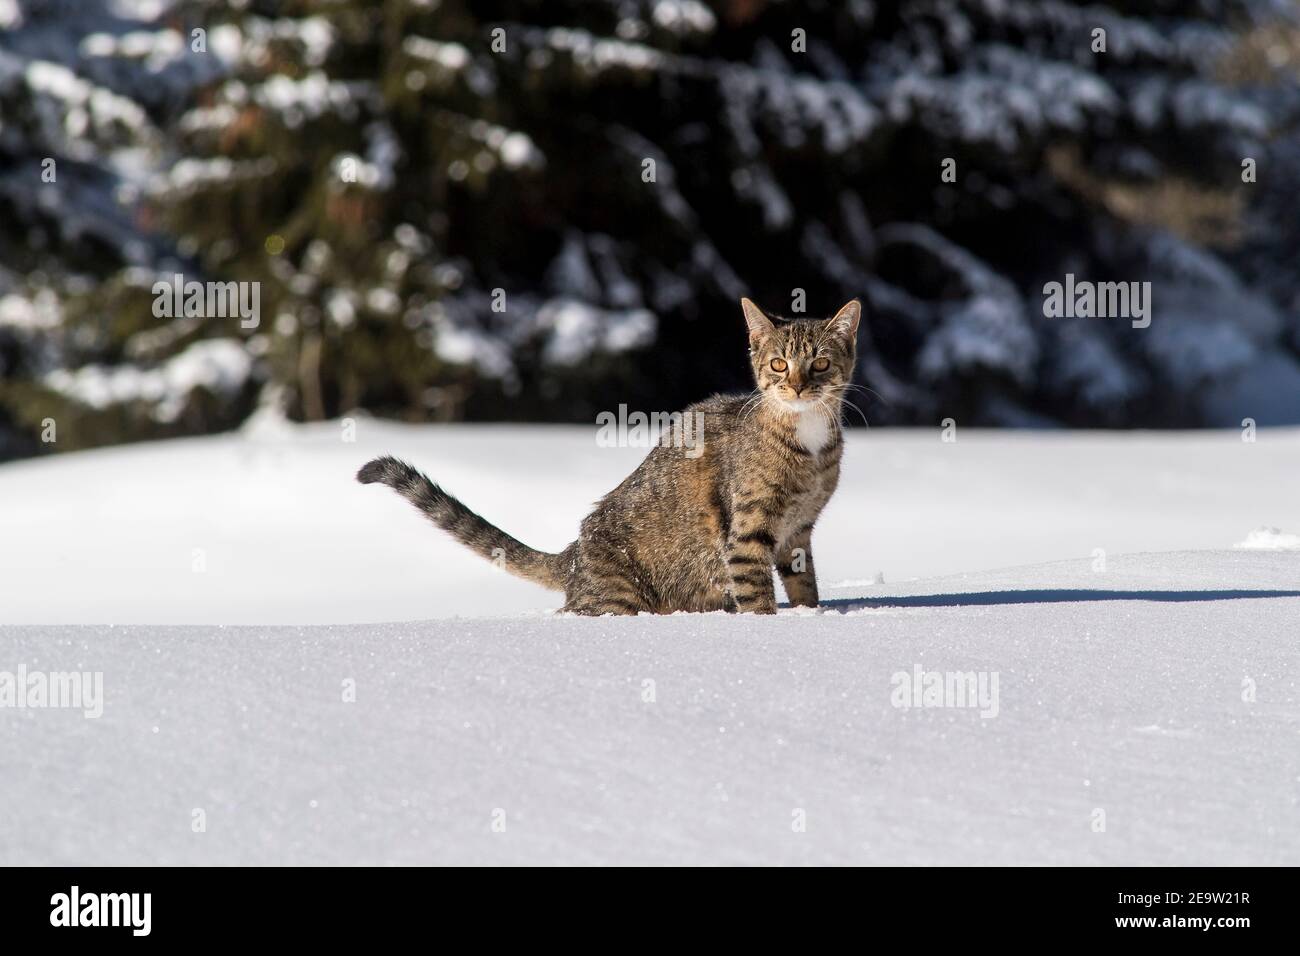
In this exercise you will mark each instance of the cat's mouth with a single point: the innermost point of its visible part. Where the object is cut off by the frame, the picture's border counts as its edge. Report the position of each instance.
(802, 403)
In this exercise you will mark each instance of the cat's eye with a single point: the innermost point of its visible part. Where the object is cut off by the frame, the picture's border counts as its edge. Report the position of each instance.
(821, 364)
(779, 365)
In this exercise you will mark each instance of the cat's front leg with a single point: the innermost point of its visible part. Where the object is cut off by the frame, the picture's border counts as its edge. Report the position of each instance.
(795, 565)
(749, 562)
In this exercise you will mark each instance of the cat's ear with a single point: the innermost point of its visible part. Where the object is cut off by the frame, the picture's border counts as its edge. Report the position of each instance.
(844, 324)
(760, 326)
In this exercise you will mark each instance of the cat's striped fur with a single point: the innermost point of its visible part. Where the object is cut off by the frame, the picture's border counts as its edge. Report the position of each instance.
(698, 531)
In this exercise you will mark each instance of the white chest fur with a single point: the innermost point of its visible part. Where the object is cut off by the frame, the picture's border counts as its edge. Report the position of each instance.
(812, 429)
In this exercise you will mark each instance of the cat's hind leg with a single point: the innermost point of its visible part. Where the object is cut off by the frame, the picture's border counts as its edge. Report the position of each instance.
(594, 605)
(602, 583)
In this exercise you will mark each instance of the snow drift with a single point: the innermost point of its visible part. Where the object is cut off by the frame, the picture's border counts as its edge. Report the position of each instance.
(1124, 708)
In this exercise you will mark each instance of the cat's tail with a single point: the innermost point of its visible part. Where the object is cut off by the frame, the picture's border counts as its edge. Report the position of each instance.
(476, 533)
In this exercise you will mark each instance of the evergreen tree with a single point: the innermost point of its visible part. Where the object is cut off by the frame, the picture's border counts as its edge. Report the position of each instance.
(537, 210)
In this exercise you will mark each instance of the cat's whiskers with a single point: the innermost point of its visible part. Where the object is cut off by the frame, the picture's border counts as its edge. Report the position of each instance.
(751, 404)
(832, 416)
(839, 390)
(865, 390)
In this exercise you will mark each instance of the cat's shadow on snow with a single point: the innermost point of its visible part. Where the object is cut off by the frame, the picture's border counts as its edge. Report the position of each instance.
(1043, 596)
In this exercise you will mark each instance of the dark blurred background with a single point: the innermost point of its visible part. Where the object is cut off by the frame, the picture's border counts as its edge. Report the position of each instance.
(451, 211)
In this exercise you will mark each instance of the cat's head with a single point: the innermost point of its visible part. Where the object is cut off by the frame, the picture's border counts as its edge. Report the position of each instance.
(802, 363)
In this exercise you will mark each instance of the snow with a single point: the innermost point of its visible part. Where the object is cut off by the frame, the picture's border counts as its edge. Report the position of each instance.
(314, 33)
(838, 113)
(1143, 667)
(983, 319)
(597, 55)
(467, 346)
(87, 113)
(575, 330)
(41, 312)
(156, 49)
(221, 366)
(683, 16)
(1126, 700)
(513, 148)
(309, 98)
(1270, 539)
(518, 150)
(195, 173)
(1009, 98)
(449, 56)
(290, 538)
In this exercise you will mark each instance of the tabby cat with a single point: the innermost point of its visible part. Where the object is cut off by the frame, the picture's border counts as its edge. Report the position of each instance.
(691, 530)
